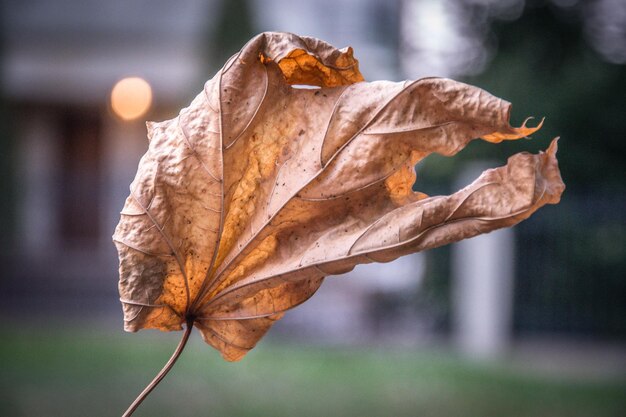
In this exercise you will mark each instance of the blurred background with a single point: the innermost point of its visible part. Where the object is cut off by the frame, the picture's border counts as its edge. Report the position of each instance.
(524, 322)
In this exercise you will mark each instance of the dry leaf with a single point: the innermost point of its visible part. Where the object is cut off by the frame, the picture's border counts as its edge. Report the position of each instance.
(258, 190)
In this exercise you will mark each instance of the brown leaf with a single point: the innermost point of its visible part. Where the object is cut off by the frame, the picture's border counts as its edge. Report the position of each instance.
(258, 190)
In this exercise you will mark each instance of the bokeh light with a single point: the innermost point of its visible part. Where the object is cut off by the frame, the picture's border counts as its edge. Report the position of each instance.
(131, 98)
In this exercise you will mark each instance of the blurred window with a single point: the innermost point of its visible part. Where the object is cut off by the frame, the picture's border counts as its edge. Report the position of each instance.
(80, 148)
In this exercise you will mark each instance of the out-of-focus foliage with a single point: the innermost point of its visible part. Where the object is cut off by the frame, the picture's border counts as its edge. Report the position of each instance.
(233, 28)
(570, 268)
(545, 65)
(569, 277)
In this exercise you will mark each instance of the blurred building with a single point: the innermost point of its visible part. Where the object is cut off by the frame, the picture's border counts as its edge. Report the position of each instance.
(74, 157)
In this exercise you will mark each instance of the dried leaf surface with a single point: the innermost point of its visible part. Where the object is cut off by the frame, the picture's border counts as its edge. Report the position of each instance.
(258, 190)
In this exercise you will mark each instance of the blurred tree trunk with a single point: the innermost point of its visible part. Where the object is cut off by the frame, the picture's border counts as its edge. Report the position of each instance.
(233, 28)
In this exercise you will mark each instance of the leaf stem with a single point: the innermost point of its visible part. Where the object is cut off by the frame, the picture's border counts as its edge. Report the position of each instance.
(152, 385)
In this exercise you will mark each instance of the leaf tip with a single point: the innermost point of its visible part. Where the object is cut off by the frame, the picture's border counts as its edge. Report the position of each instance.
(514, 133)
(554, 147)
(550, 171)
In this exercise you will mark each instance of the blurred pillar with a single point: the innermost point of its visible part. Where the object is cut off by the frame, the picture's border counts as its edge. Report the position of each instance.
(482, 286)
(38, 182)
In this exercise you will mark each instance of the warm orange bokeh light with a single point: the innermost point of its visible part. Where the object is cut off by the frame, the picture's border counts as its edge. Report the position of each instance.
(131, 98)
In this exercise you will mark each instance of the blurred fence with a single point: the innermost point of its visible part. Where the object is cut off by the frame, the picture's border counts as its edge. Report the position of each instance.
(571, 267)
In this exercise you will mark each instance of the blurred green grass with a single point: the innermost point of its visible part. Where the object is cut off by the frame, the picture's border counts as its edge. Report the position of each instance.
(82, 371)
